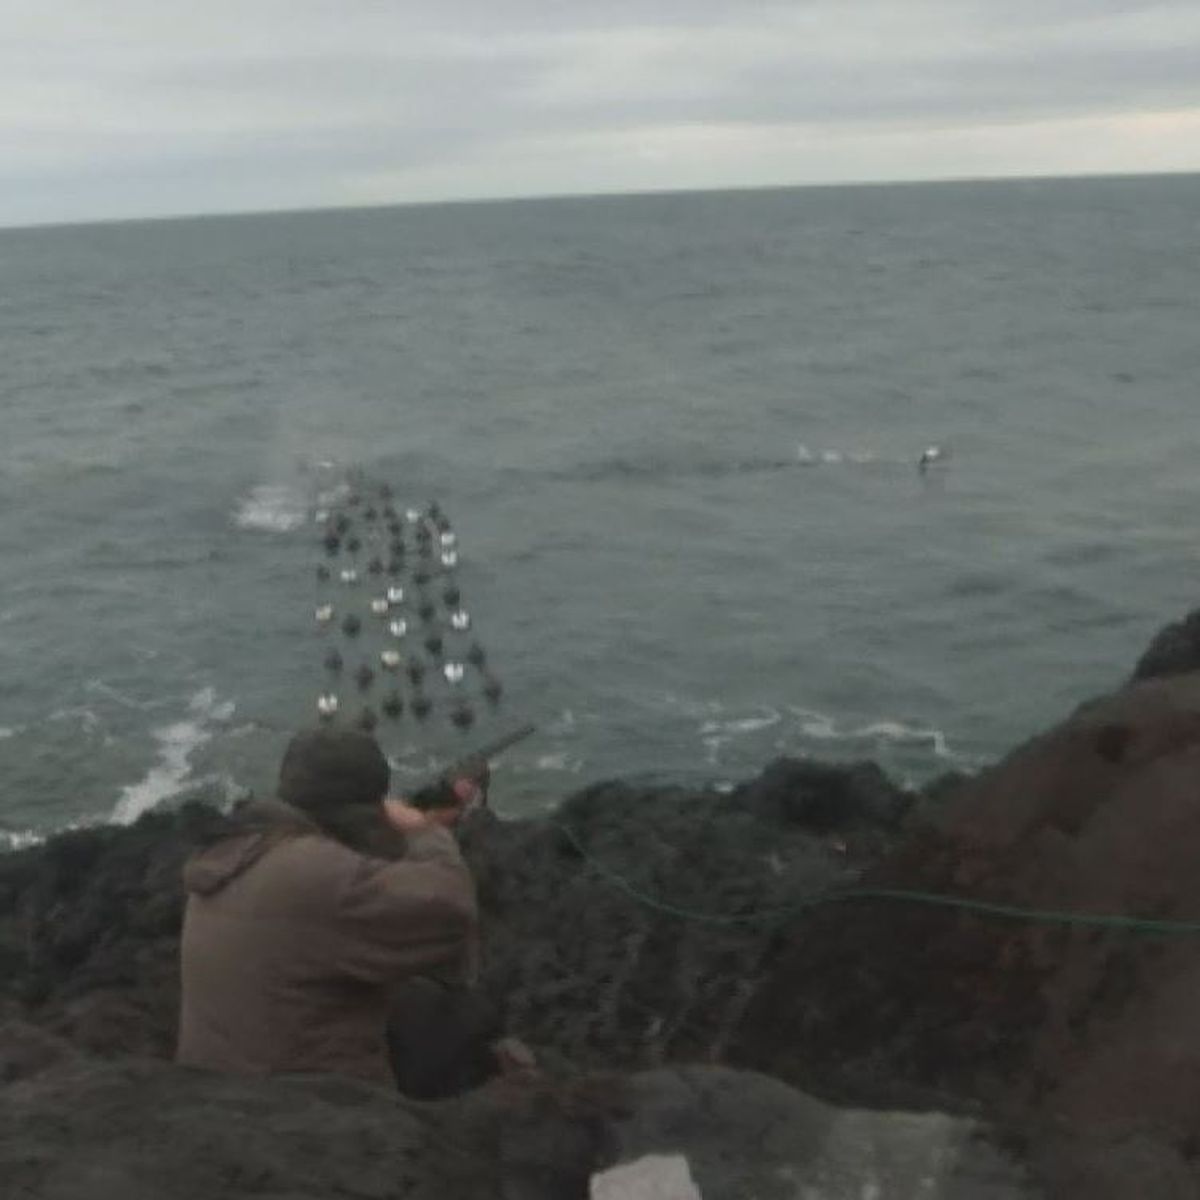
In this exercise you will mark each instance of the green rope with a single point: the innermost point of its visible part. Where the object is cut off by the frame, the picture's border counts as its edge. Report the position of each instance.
(838, 895)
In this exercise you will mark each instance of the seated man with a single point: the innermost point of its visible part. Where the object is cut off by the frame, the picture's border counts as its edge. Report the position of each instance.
(303, 919)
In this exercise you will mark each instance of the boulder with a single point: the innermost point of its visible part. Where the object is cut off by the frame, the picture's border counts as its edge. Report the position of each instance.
(146, 1130)
(1175, 650)
(1056, 1024)
(826, 799)
(626, 930)
(575, 958)
(641, 928)
(743, 1134)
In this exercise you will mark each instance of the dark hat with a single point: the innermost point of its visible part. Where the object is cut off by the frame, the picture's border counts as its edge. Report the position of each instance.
(326, 771)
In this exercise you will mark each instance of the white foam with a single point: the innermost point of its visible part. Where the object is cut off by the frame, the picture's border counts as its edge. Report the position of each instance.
(824, 728)
(740, 725)
(86, 717)
(559, 762)
(271, 508)
(689, 706)
(20, 839)
(833, 457)
(6, 732)
(106, 689)
(177, 743)
(894, 731)
(816, 725)
(563, 724)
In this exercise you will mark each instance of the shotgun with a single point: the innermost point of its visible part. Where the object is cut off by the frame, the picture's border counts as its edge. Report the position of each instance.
(438, 792)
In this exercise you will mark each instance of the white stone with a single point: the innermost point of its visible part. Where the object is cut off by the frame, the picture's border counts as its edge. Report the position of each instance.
(655, 1177)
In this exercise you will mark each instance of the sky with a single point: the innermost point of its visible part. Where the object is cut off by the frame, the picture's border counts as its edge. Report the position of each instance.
(137, 108)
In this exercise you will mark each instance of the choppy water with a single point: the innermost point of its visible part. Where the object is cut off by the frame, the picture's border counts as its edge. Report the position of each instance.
(677, 436)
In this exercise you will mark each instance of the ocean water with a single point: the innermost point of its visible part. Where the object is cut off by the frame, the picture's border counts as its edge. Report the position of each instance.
(677, 436)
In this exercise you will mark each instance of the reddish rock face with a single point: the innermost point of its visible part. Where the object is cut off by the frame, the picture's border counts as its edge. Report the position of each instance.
(1101, 815)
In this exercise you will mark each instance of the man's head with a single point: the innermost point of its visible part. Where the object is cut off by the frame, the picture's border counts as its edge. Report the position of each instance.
(333, 775)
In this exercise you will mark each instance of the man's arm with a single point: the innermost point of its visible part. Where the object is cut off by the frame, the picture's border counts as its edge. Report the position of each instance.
(413, 916)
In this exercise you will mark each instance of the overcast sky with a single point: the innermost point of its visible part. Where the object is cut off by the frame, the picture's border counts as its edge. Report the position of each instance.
(112, 108)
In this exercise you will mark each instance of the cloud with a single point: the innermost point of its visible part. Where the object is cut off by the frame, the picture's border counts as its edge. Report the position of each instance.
(139, 107)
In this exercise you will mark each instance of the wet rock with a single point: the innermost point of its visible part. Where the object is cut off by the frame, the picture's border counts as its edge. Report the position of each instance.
(26, 1050)
(144, 1130)
(580, 966)
(746, 1135)
(1117, 1165)
(1043, 1020)
(826, 799)
(639, 927)
(89, 926)
(655, 1177)
(1175, 650)
(630, 929)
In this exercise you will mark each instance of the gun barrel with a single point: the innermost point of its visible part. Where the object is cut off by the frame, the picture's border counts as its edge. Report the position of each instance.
(503, 743)
(472, 761)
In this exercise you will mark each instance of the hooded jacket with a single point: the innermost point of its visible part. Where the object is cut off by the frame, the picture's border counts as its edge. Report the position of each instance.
(291, 942)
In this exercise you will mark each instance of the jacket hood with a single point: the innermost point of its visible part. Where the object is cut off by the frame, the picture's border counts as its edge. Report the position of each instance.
(257, 828)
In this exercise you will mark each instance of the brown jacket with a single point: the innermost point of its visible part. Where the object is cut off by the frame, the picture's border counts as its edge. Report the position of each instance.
(291, 941)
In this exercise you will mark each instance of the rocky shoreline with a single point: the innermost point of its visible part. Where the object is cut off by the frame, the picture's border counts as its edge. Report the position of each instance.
(656, 948)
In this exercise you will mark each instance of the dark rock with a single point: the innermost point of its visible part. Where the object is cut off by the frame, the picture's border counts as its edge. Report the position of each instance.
(89, 926)
(26, 1050)
(132, 1130)
(1088, 1026)
(824, 798)
(1175, 650)
(88, 922)
(747, 1135)
(1117, 1165)
(143, 1130)
(630, 929)
(644, 926)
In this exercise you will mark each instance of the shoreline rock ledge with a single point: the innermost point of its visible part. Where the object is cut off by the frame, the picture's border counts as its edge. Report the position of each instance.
(864, 1047)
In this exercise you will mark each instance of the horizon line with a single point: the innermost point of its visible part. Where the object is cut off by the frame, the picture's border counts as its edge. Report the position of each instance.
(551, 197)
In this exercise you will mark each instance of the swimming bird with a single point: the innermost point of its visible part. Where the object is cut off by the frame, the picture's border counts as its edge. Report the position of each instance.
(931, 456)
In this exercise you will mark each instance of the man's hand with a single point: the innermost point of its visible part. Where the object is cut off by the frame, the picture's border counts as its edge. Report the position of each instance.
(471, 790)
(465, 792)
(462, 793)
(404, 817)
(515, 1059)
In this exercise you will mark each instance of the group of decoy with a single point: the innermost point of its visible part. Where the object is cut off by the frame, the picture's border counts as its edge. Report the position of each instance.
(389, 587)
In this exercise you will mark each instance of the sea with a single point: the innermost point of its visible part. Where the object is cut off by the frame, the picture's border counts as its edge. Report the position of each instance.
(678, 437)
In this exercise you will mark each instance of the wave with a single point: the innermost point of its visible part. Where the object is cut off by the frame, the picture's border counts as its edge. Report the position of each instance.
(172, 771)
(271, 508)
(740, 725)
(559, 762)
(118, 697)
(822, 727)
(20, 839)
(835, 458)
(794, 728)
(88, 718)
(650, 468)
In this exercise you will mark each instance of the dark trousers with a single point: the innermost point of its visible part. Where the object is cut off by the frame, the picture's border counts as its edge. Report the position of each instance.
(440, 1039)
